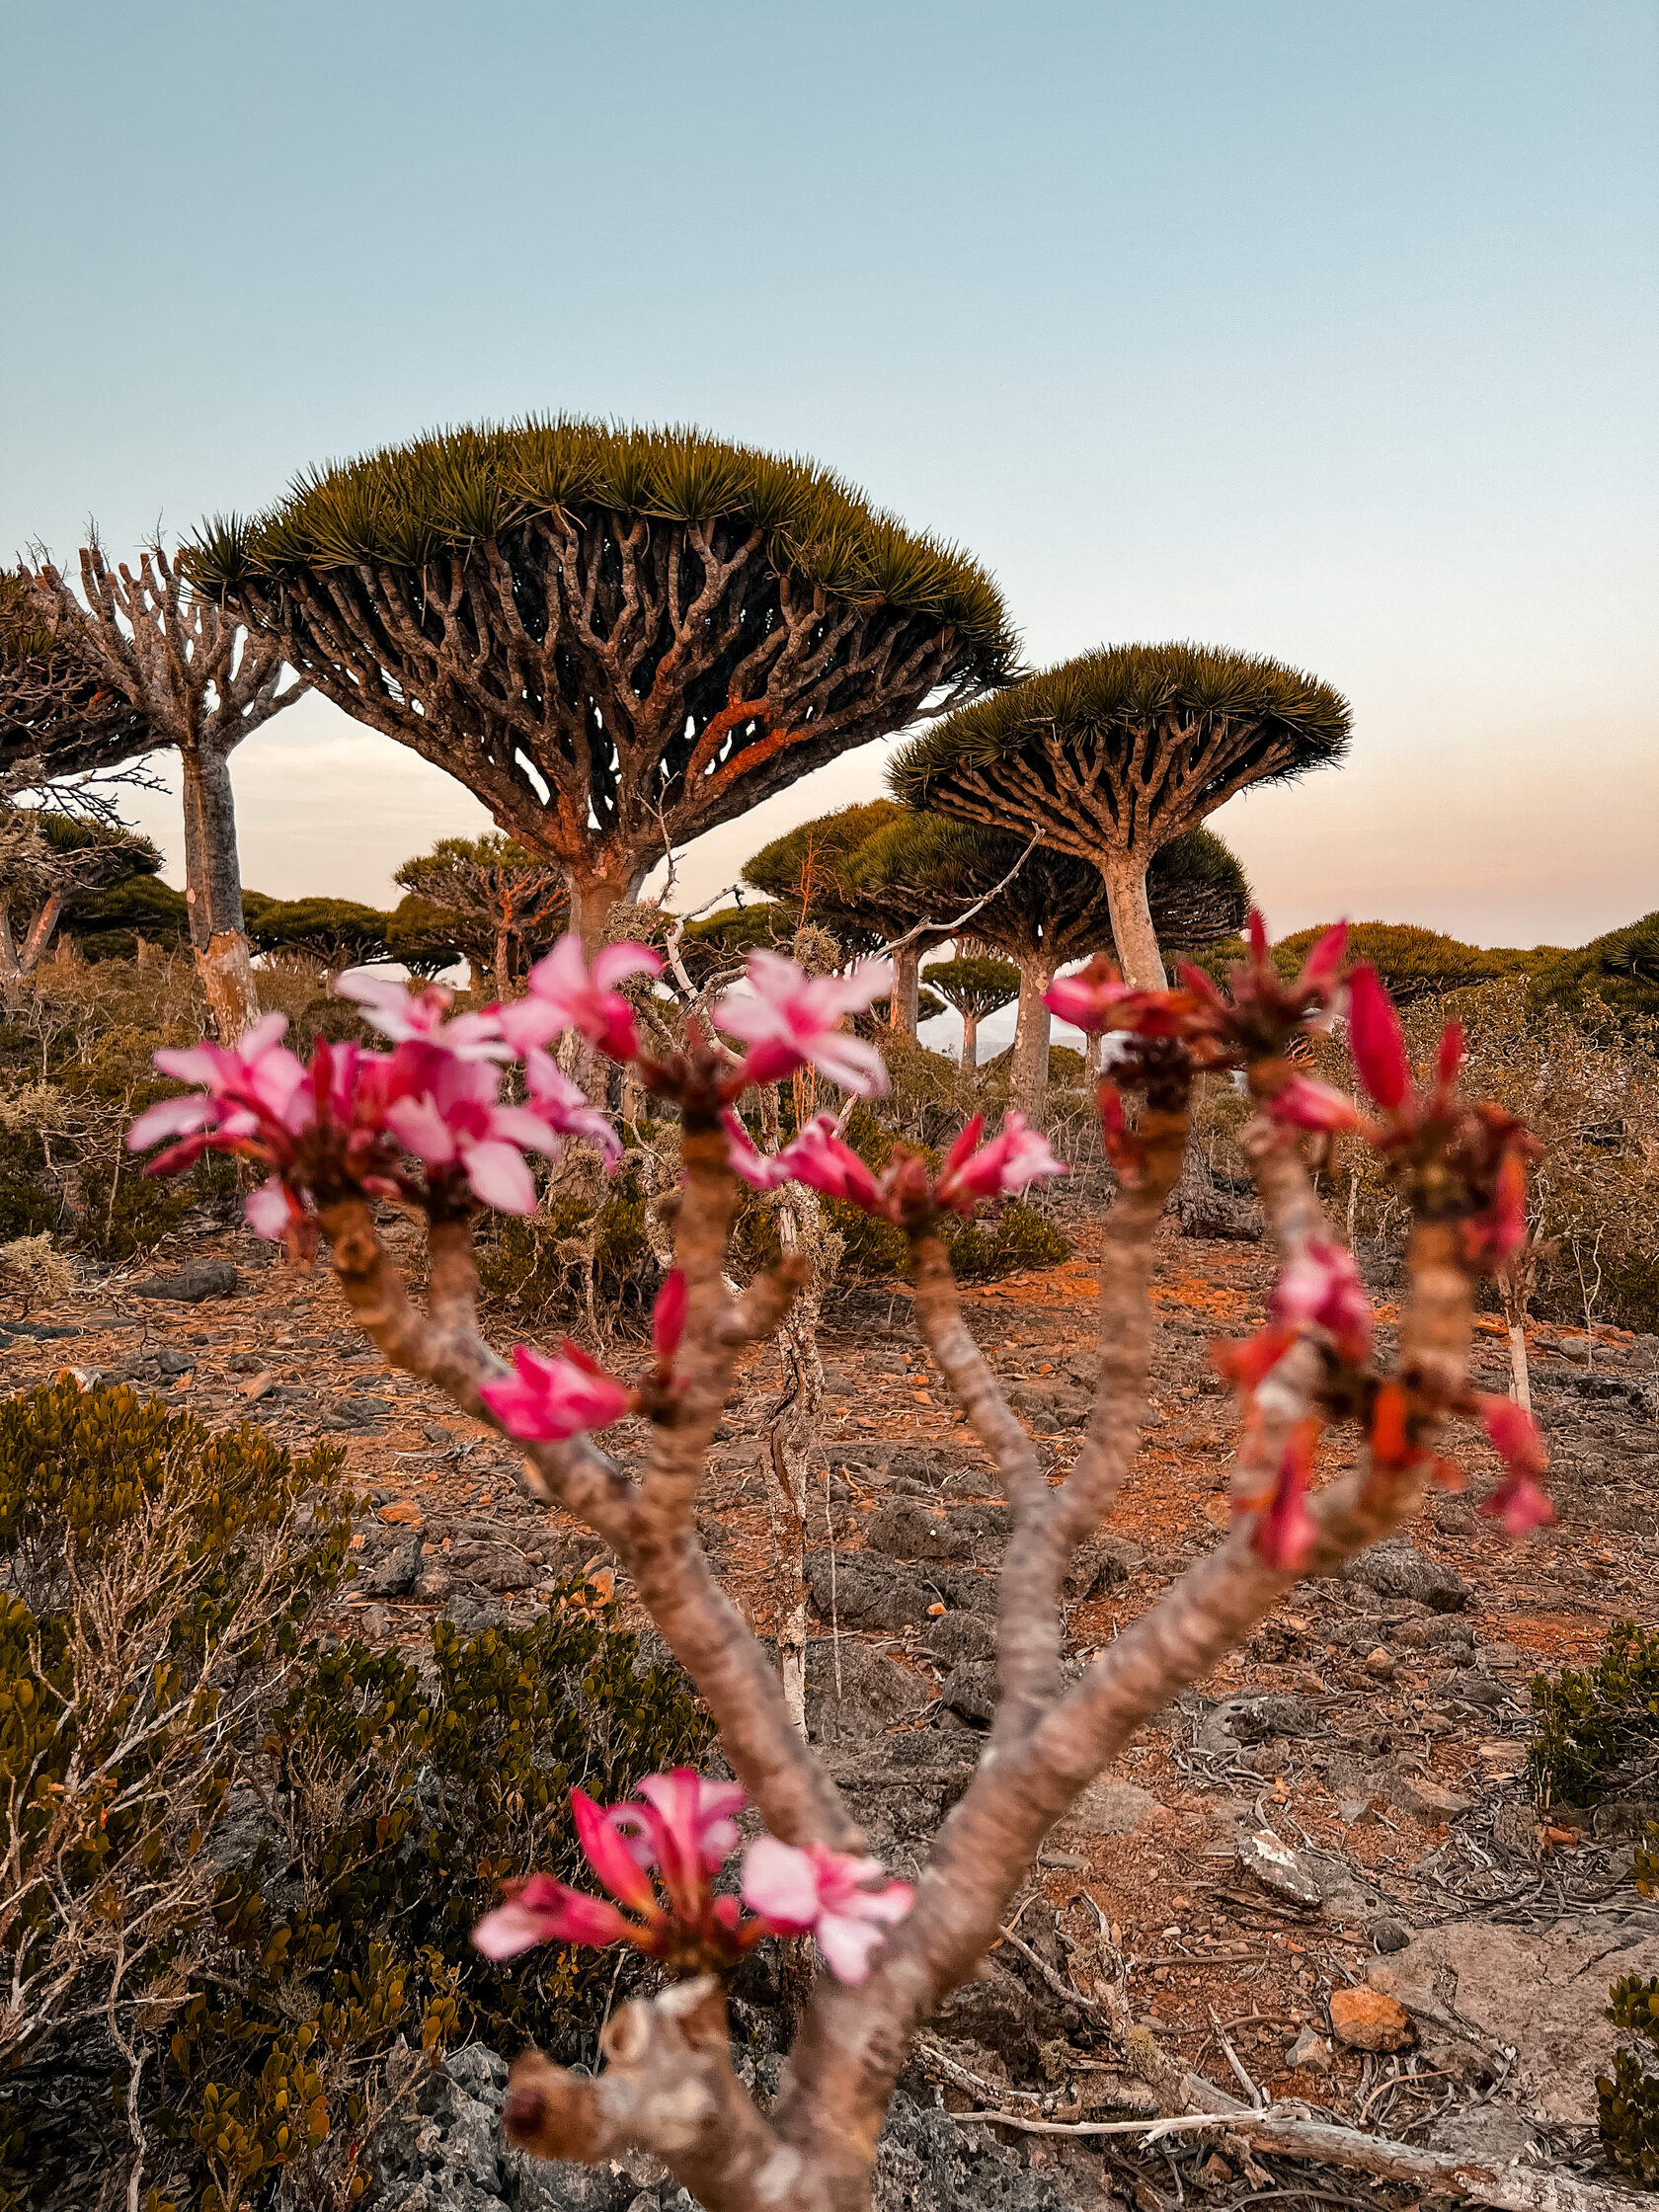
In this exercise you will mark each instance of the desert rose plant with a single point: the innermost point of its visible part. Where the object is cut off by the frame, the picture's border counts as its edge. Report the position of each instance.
(426, 1125)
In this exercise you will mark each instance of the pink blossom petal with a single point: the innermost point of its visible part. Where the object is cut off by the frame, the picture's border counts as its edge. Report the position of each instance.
(608, 1855)
(420, 1129)
(546, 1911)
(171, 1117)
(780, 1881)
(848, 1945)
(501, 1177)
(1376, 1038)
(268, 1211)
(617, 963)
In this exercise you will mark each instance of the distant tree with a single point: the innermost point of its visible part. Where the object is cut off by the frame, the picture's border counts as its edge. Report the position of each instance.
(422, 937)
(615, 638)
(717, 944)
(506, 907)
(1414, 963)
(200, 685)
(1113, 755)
(975, 987)
(336, 933)
(1051, 908)
(58, 716)
(50, 864)
(1620, 970)
(814, 868)
(118, 924)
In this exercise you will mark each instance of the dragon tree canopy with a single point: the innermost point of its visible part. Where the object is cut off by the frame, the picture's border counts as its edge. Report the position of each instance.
(617, 637)
(55, 709)
(1113, 754)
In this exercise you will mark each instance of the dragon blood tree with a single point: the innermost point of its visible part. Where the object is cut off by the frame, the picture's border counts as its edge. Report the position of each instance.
(813, 869)
(975, 985)
(1040, 906)
(616, 639)
(58, 716)
(1112, 755)
(201, 684)
(425, 1125)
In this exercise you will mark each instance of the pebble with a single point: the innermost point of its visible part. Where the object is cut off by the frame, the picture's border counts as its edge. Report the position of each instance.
(1277, 1867)
(1366, 2019)
(403, 1512)
(1310, 2053)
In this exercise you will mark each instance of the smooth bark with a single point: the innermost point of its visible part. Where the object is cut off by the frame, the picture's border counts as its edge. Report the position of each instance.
(213, 892)
(1131, 920)
(1029, 1072)
(906, 1003)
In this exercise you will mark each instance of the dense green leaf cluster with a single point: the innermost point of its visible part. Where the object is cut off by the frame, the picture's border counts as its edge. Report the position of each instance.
(335, 932)
(454, 488)
(1617, 974)
(1629, 2099)
(1110, 696)
(975, 985)
(1593, 1721)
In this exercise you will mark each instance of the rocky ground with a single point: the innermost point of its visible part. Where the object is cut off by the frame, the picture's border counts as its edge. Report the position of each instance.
(1319, 1878)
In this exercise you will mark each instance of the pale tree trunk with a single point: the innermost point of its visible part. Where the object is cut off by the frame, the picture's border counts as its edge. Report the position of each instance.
(970, 1040)
(1132, 922)
(593, 894)
(905, 1004)
(797, 1426)
(1030, 1068)
(504, 976)
(1091, 1058)
(1515, 1288)
(214, 893)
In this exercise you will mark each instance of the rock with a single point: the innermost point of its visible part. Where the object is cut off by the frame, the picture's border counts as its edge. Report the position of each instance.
(1397, 1569)
(1379, 1664)
(1494, 2134)
(927, 2162)
(395, 1574)
(1101, 1564)
(1544, 1995)
(494, 1566)
(971, 1690)
(1515, 1831)
(436, 1433)
(958, 1637)
(906, 1529)
(403, 1512)
(1311, 2053)
(1113, 1809)
(1390, 1934)
(866, 1589)
(191, 1285)
(1048, 1407)
(874, 1692)
(1367, 2019)
(472, 1615)
(172, 1362)
(1277, 1867)
(1422, 1796)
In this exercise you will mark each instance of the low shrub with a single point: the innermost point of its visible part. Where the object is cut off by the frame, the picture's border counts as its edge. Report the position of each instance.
(1628, 2100)
(250, 1856)
(1597, 1725)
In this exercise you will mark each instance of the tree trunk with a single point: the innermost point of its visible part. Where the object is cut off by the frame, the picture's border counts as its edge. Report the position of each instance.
(796, 1429)
(214, 893)
(1030, 1072)
(1132, 922)
(503, 973)
(970, 1040)
(905, 1004)
(592, 897)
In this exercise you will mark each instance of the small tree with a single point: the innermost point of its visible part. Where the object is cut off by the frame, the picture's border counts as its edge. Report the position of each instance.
(1113, 755)
(976, 987)
(1617, 974)
(616, 639)
(57, 716)
(1040, 906)
(1416, 963)
(50, 865)
(199, 685)
(423, 936)
(814, 868)
(505, 907)
(336, 933)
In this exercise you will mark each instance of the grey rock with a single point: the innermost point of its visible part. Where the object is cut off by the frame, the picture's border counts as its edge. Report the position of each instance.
(1496, 2134)
(472, 1615)
(436, 1433)
(172, 1362)
(1389, 1935)
(447, 2153)
(1422, 1796)
(1101, 1564)
(906, 1529)
(874, 1692)
(1051, 1407)
(1311, 2053)
(494, 1566)
(971, 1690)
(865, 1590)
(192, 1284)
(1397, 1569)
(395, 1572)
(925, 2163)
(1277, 1867)
(958, 1637)
(1113, 1809)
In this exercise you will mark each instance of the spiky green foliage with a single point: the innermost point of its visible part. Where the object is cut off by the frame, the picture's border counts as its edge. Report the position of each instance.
(1628, 2099)
(1414, 963)
(53, 864)
(502, 905)
(337, 932)
(53, 707)
(1594, 1721)
(1052, 904)
(617, 637)
(404, 504)
(108, 925)
(421, 934)
(1121, 750)
(814, 869)
(1620, 970)
(974, 985)
(717, 944)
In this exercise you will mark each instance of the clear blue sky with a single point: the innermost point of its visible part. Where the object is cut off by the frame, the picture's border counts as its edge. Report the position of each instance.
(1321, 330)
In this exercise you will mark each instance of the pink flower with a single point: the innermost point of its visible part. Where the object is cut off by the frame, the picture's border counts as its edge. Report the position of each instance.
(668, 1316)
(1518, 1501)
(564, 1107)
(1321, 971)
(680, 1829)
(1097, 999)
(1520, 1504)
(1499, 1231)
(790, 1019)
(539, 1909)
(1286, 1533)
(565, 993)
(817, 1156)
(1376, 1041)
(1017, 1155)
(550, 1400)
(243, 1085)
(419, 1016)
(1322, 1284)
(829, 1893)
(1302, 1103)
(458, 1123)
(272, 1210)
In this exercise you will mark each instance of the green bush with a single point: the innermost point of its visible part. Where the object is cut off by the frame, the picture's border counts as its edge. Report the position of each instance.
(547, 1265)
(1594, 1721)
(1628, 2100)
(251, 1855)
